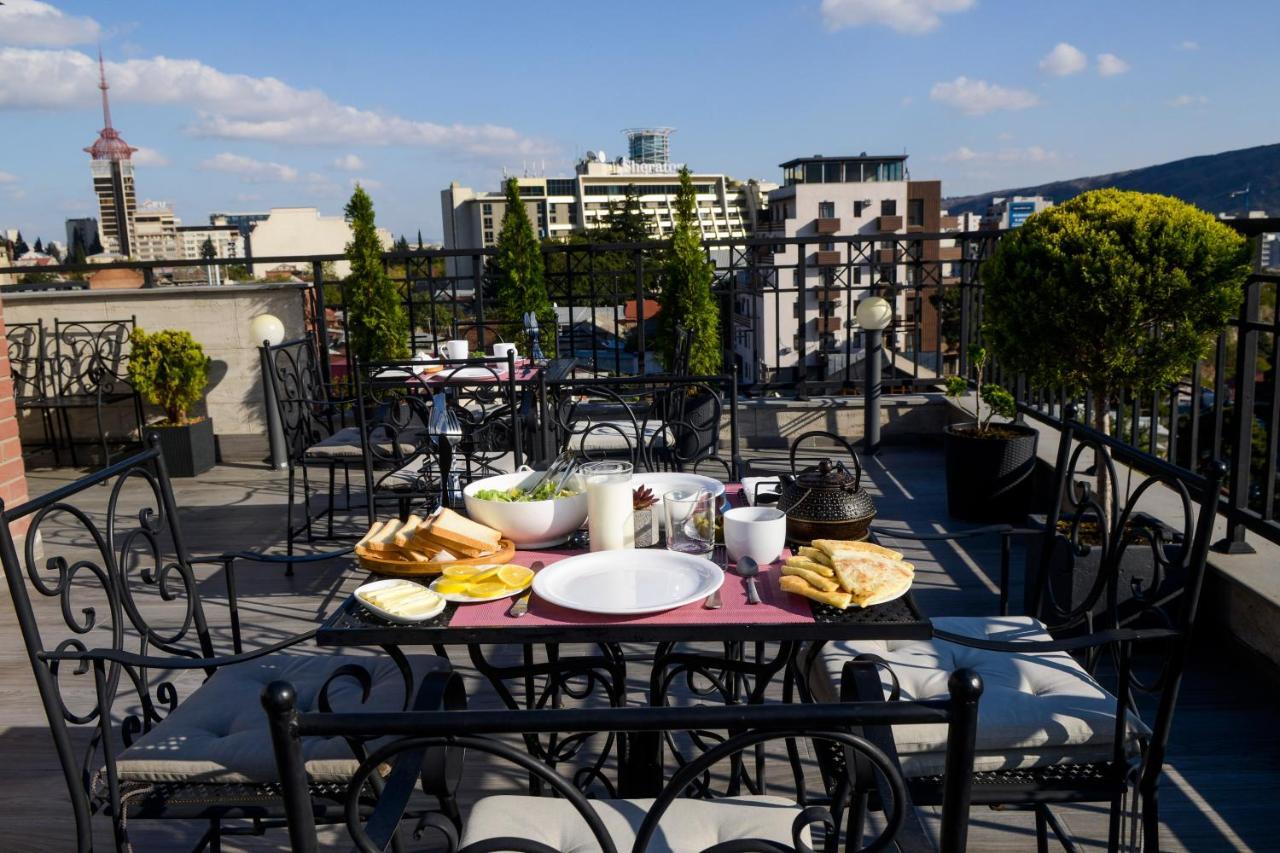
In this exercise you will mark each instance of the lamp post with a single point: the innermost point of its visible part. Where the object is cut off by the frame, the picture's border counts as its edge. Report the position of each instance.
(268, 329)
(874, 314)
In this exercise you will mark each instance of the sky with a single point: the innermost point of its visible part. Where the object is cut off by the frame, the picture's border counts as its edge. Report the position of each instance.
(245, 105)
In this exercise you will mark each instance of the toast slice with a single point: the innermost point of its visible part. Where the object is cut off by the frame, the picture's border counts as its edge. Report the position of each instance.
(369, 534)
(385, 539)
(814, 580)
(406, 531)
(459, 535)
(834, 548)
(815, 554)
(811, 565)
(799, 587)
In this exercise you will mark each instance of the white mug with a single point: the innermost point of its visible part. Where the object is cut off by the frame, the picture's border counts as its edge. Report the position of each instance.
(759, 532)
(501, 350)
(456, 350)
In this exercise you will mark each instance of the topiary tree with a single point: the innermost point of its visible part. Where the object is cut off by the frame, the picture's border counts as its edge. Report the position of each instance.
(377, 327)
(169, 369)
(686, 299)
(1111, 290)
(519, 274)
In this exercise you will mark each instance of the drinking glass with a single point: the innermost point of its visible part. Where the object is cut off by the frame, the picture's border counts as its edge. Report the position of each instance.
(690, 521)
(610, 521)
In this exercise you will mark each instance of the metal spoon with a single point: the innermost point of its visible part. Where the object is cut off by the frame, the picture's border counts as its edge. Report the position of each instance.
(747, 568)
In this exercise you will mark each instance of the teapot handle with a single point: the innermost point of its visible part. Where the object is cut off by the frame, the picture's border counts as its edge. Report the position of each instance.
(857, 466)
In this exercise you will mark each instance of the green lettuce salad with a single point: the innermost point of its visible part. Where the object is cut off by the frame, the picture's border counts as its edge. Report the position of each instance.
(545, 492)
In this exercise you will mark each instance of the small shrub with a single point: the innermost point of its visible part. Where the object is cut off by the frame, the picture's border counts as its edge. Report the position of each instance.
(170, 370)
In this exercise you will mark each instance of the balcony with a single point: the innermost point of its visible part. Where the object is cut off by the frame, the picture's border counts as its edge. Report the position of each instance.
(887, 223)
(831, 296)
(950, 253)
(949, 223)
(886, 256)
(827, 258)
(829, 325)
(826, 225)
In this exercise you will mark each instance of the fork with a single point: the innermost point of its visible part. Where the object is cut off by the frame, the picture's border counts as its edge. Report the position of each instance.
(713, 601)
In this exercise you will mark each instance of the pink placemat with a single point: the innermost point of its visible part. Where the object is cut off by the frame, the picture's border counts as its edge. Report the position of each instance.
(776, 606)
(525, 370)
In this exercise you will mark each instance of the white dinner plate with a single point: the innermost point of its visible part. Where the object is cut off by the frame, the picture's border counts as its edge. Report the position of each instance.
(472, 373)
(628, 583)
(890, 595)
(460, 598)
(374, 586)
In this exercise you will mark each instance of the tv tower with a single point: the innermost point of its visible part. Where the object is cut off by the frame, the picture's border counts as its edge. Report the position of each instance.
(112, 168)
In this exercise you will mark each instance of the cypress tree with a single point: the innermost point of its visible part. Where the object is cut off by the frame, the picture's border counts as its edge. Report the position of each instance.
(377, 328)
(20, 246)
(39, 246)
(686, 298)
(519, 273)
(419, 238)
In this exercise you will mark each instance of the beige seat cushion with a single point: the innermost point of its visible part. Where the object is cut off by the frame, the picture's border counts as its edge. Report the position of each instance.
(345, 444)
(219, 733)
(1036, 709)
(611, 435)
(687, 826)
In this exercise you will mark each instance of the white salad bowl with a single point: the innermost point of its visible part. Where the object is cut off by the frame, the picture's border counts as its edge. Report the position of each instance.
(529, 524)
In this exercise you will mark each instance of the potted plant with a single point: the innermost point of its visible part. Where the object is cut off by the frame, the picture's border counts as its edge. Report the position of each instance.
(170, 370)
(989, 465)
(643, 505)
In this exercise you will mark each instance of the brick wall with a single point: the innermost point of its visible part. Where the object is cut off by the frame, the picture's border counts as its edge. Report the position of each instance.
(13, 475)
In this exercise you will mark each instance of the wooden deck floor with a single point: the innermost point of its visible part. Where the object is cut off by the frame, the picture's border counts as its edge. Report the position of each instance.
(1218, 793)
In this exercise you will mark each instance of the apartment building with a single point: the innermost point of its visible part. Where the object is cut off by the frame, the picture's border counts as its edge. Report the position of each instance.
(808, 323)
(155, 233)
(225, 236)
(1012, 211)
(303, 231)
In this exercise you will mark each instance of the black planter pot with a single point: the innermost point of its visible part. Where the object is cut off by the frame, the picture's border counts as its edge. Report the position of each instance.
(990, 479)
(188, 450)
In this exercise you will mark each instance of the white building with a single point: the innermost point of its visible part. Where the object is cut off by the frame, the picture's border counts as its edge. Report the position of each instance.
(828, 198)
(1011, 212)
(155, 233)
(303, 231)
(226, 238)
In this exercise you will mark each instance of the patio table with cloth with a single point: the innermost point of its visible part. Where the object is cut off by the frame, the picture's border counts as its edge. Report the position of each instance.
(782, 618)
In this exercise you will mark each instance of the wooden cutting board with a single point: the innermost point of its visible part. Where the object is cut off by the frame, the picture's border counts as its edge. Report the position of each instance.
(382, 564)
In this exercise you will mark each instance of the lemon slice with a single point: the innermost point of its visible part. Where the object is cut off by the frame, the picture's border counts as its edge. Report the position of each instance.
(449, 586)
(461, 571)
(515, 577)
(485, 590)
(484, 573)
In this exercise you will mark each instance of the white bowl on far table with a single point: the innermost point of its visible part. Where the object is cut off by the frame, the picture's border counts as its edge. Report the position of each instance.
(529, 524)
(758, 532)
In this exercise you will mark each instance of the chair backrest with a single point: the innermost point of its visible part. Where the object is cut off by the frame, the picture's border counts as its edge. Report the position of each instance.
(116, 578)
(302, 401)
(90, 356)
(425, 744)
(1131, 570)
(26, 344)
(683, 425)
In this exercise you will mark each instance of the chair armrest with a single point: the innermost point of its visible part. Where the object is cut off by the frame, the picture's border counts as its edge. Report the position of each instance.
(1072, 644)
(137, 661)
(987, 530)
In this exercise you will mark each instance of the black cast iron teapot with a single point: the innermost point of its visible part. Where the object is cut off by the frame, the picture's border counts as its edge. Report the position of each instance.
(825, 501)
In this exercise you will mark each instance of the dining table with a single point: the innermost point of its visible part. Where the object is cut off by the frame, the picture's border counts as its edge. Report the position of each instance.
(738, 648)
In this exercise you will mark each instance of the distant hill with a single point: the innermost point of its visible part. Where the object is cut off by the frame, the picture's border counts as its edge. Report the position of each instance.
(1205, 181)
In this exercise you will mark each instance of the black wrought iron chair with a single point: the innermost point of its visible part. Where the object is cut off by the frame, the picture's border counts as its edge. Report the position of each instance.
(400, 399)
(319, 432)
(428, 743)
(28, 366)
(116, 628)
(84, 366)
(1050, 732)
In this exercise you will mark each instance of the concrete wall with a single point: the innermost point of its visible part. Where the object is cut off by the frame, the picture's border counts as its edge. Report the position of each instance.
(217, 317)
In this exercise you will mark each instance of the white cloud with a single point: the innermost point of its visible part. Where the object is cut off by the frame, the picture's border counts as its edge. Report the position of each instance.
(367, 183)
(249, 168)
(149, 157)
(31, 22)
(1109, 65)
(349, 163)
(1189, 101)
(1064, 59)
(978, 97)
(8, 178)
(912, 17)
(1189, 45)
(1030, 154)
(239, 106)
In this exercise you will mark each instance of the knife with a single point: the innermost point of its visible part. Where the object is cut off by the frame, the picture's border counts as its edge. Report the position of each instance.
(521, 607)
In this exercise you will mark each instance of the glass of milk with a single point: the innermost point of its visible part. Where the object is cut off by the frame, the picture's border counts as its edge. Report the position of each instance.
(609, 505)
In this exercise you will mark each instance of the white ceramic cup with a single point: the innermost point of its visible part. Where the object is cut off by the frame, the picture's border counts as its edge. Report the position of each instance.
(501, 350)
(759, 532)
(455, 350)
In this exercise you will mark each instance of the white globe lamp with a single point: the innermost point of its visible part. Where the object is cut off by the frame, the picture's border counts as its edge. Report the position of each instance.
(266, 327)
(874, 313)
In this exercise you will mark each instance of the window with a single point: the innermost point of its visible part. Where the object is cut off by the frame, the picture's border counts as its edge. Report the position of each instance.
(561, 186)
(915, 211)
(889, 207)
(488, 208)
(813, 173)
(827, 247)
(858, 207)
(831, 172)
(826, 210)
(488, 237)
